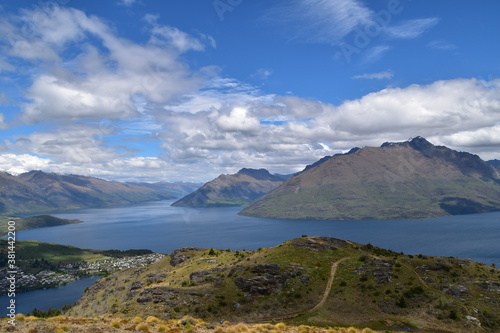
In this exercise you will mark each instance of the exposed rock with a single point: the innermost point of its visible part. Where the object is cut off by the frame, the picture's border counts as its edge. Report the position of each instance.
(201, 276)
(272, 269)
(157, 294)
(263, 284)
(473, 321)
(490, 286)
(457, 291)
(305, 279)
(179, 255)
(236, 270)
(136, 285)
(155, 278)
(380, 270)
(319, 243)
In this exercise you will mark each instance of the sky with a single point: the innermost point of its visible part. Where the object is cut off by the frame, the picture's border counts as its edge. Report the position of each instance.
(185, 90)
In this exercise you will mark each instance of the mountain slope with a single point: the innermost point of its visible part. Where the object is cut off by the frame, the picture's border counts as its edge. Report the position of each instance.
(37, 191)
(412, 179)
(177, 190)
(310, 280)
(232, 190)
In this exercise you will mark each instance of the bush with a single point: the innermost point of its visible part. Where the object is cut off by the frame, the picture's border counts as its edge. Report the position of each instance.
(152, 319)
(142, 327)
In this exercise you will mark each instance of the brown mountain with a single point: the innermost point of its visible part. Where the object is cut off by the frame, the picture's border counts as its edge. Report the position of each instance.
(179, 189)
(413, 179)
(238, 189)
(37, 191)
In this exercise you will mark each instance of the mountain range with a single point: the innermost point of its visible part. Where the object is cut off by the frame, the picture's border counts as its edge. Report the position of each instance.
(38, 191)
(238, 189)
(412, 179)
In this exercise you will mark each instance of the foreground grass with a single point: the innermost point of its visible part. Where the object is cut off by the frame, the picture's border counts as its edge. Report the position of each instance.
(152, 324)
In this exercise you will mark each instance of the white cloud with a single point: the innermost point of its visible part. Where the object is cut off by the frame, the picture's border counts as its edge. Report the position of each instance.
(97, 82)
(128, 3)
(172, 37)
(322, 21)
(262, 73)
(239, 120)
(3, 125)
(412, 28)
(5, 66)
(374, 54)
(376, 76)
(16, 164)
(441, 45)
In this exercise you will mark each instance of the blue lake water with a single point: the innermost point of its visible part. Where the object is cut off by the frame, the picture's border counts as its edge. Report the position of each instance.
(159, 227)
(43, 299)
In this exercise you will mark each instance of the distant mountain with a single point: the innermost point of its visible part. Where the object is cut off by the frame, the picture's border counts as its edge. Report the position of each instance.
(37, 191)
(239, 189)
(412, 179)
(178, 189)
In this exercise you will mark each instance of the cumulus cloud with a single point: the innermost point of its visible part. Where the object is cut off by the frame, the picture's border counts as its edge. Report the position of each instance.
(239, 120)
(97, 82)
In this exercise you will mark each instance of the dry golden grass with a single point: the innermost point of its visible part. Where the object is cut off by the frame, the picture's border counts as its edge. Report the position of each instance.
(61, 324)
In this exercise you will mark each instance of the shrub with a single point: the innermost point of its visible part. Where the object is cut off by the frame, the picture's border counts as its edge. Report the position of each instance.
(136, 320)
(453, 315)
(142, 327)
(162, 328)
(152, 319)
(280, 326)
(115, 324)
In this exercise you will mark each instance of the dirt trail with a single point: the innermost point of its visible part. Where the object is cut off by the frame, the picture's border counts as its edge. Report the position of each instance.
(328, 288)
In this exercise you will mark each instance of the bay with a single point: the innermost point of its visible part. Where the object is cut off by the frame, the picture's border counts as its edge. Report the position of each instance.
(43, 299)
(161, 228)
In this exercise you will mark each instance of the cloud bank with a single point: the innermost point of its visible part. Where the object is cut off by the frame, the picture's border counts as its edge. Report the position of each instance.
(118, 109)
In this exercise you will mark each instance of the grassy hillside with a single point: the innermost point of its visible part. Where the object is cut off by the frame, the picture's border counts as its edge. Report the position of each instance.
(38, 192)
(153, 324)
(239, 189)
(307, 281)
(32, 222)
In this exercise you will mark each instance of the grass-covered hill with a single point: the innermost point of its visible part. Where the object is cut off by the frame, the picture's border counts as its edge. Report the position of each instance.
(38, 191)
(314, 281)
(239, 189)
(61, 324)
(32, 222)
(405, 180)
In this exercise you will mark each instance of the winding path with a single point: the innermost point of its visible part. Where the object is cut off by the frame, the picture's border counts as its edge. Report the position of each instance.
(328, 288)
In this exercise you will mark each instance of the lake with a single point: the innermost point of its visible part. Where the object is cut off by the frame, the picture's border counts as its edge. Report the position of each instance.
(53, 298)
(159, 227)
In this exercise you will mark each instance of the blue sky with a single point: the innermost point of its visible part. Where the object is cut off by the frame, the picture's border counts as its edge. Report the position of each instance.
(184, 90)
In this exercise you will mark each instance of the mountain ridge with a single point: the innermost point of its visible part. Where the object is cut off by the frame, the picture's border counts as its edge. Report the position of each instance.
(237, 189)
(411, 179)
(39, 192)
